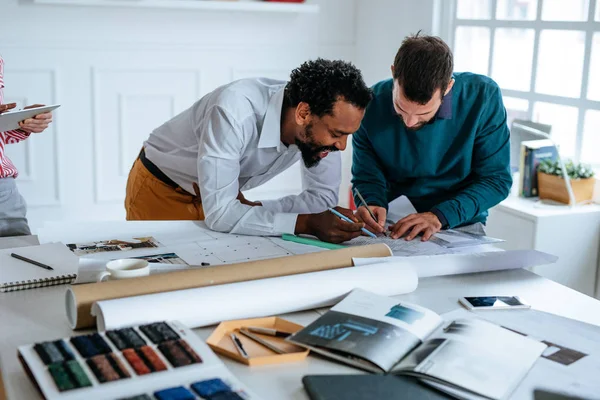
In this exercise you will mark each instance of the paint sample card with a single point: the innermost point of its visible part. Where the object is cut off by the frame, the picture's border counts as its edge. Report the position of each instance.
(161, 360)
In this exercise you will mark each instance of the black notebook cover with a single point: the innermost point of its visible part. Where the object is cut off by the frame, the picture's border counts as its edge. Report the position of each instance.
(359, 387)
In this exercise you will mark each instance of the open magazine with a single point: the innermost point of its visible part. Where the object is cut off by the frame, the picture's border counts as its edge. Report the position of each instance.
(468, 357)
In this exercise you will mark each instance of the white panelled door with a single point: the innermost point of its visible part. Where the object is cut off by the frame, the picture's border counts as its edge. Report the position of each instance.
(128, 105)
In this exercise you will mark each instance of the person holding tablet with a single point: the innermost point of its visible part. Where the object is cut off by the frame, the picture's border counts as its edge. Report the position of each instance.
(13, 221)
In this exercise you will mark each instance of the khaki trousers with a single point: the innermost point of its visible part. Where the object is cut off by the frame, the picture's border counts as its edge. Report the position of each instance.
(149, 198)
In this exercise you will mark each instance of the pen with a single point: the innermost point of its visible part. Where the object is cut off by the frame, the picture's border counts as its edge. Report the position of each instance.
(344, 218)
(364, 203)
(261, 341)
(238, 345)
(268, 331)
(30, 261)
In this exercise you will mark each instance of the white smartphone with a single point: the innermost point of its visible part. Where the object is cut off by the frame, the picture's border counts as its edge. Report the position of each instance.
(493, 302)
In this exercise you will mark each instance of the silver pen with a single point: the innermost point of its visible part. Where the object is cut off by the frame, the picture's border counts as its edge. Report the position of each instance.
(268, 331)
(238, 345)
(261, 341)
(364, 203)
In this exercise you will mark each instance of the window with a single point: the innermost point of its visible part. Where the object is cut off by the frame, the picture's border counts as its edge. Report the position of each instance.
(544, 55)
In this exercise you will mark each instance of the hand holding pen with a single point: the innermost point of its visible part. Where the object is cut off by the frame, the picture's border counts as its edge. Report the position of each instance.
(335, 225)
(351, 221)
(373, 216)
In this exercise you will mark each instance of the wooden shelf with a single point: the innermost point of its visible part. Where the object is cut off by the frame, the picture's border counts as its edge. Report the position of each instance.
(209, 5)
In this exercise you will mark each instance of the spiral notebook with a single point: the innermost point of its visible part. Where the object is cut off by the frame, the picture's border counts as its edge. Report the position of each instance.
(18, 275)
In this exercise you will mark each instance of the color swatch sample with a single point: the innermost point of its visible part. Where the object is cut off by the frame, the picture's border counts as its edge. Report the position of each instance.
(209, 388)
(90, 345)
(68, 375)
(107, 368)
(159, 332)
(179, 353)
(176, 393)
(158, 361)
(106, 363)
(53, 352)
(125, 338)
(144, 360)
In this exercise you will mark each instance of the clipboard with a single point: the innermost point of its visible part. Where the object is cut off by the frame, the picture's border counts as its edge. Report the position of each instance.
(10, 120)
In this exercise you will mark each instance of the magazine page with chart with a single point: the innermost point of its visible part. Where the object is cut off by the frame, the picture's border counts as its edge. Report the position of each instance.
(467, 357)
(369, 331)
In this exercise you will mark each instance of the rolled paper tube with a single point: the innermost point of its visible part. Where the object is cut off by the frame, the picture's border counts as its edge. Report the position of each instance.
(79, 298)
(256, 298)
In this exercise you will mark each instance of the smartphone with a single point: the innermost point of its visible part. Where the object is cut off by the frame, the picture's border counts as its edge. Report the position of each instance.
(493, 302)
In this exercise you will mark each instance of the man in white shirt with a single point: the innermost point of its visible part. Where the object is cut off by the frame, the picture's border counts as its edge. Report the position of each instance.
(243, 134)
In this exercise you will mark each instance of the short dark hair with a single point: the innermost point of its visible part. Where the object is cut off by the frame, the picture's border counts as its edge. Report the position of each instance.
(320, 83)
(422, 65)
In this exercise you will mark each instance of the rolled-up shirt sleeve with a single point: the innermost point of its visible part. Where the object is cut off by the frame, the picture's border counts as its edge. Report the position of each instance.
(222, 141)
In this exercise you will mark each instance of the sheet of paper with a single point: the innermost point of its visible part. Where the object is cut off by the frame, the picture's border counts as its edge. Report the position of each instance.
(55, 255)
(192, 241)
(570, 365)
(166, 232)
(450, 238)
(401, 247)
(475, 355)
(454, 264)
(187, 241)
(263, 297)
(453, 238)
(90, 268)
(295, 248)
(185, 256)
(12, 242)
(399, 208)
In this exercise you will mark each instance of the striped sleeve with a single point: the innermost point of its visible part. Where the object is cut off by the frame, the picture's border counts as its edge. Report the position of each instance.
(17, 135)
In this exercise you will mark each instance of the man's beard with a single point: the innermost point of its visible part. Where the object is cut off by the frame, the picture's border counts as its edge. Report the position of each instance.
(418, 126)
(310, 150)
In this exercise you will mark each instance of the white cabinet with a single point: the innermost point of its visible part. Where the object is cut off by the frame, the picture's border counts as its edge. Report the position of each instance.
(572, 234)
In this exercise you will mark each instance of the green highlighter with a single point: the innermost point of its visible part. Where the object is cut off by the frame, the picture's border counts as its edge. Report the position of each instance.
(311, 242)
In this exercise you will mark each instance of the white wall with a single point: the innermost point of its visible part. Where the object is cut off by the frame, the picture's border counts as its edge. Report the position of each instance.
(120, 72)
(381, 27)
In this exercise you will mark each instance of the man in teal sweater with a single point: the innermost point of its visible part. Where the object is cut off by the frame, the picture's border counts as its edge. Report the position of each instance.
(438, 138)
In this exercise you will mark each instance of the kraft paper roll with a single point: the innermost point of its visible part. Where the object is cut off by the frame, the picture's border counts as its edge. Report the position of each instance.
(258, 298)
(79, 298)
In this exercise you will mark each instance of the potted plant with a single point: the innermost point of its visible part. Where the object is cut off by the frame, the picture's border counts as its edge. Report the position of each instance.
(551, 184)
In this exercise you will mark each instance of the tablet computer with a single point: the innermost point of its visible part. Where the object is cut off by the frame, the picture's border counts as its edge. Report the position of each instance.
(10, 120)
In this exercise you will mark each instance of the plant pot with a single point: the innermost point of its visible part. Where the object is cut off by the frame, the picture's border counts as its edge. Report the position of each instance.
(553, 187)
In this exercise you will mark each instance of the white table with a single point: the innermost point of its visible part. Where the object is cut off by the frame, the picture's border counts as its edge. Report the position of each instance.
(36, 315)
(572, 234)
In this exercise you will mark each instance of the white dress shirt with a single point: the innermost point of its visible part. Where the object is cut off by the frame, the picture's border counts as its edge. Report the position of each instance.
(230, 140)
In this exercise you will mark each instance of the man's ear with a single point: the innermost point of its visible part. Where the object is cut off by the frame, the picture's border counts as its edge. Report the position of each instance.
(392, 69)
(449, 88)
(302, 113)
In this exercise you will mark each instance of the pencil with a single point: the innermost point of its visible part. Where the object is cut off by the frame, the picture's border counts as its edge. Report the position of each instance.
(30, 261)
(364, 203)
(346, 219)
